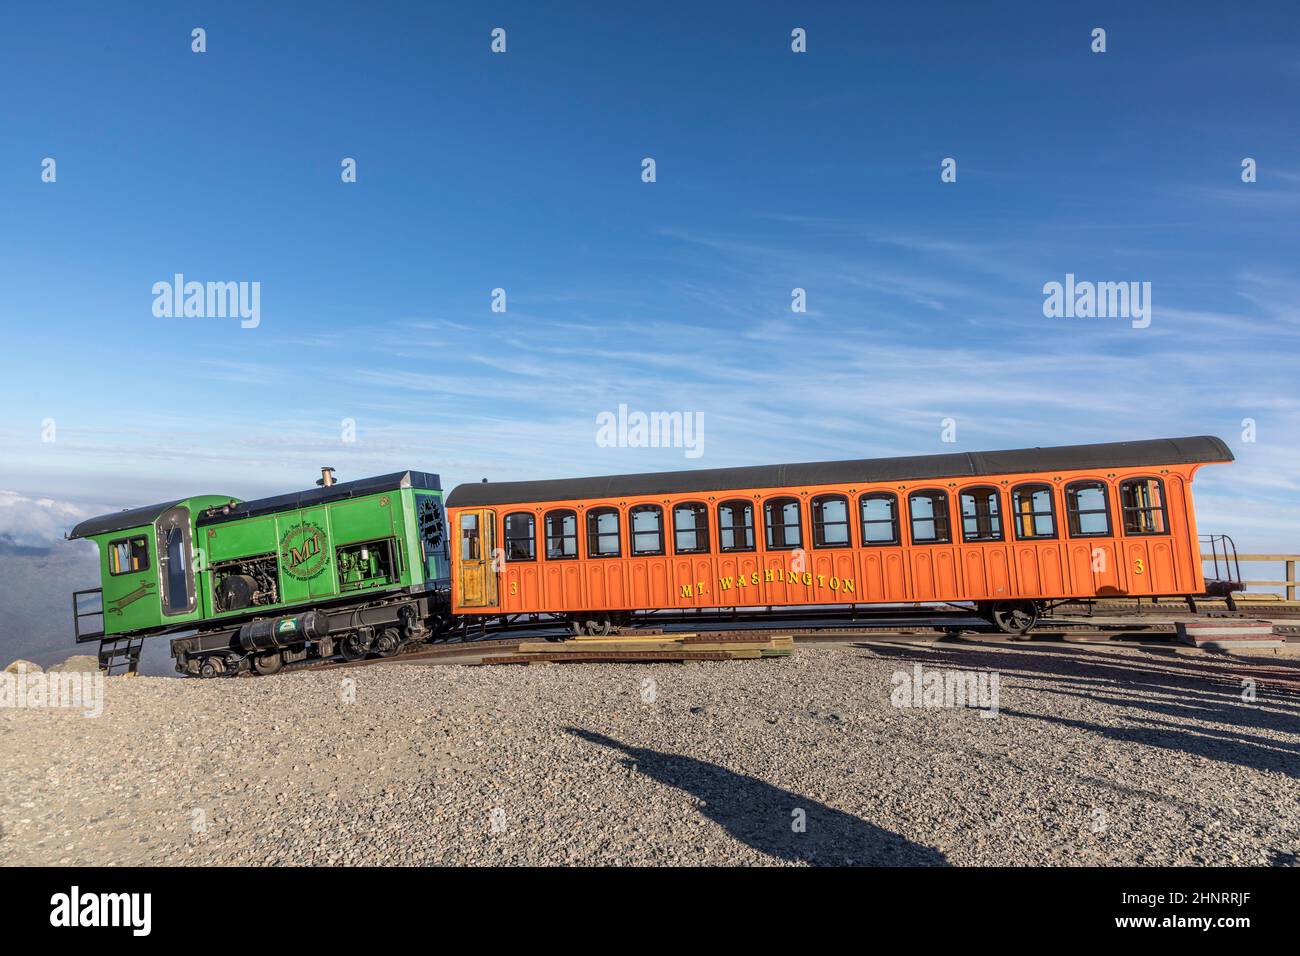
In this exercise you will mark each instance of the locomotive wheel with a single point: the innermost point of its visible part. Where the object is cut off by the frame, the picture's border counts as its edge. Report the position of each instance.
(268, 664)
(352, 648)
(387, 644)
(212, 667)
(1014, 617)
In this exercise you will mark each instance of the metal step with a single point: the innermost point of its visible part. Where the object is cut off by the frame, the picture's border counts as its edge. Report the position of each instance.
(122, 653)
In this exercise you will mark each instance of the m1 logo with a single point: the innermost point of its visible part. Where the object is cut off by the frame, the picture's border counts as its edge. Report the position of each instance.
(302, 551)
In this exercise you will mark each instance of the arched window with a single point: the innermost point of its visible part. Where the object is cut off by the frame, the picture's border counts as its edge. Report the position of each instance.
(929, 511)
(647, 529)
(691, 528)
(735, 526)
(879, 518)
(1032, 511)
(520, 537)
(1087, 509)
(561, 535)
(602, 533)
(830, 521)
(781, 518)
(1142, 503)
(981, 515)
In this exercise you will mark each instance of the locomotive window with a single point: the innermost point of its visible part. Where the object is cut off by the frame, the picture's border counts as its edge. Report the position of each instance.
(602, 533)
(469, 538)
(981, 517)
(561, 535)
(1086, 509)
(1034, 515)
(929, 511)
(735, 526)
(781, 518)
(879, 518)
(1142, 502)
(830, 519)
(691, 528)
(647, 529)
(520, 537)
(178, 597)
(128, 556)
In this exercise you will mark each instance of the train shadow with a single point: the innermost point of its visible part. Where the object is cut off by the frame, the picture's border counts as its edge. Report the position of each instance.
(1193, 706)
(771, 820)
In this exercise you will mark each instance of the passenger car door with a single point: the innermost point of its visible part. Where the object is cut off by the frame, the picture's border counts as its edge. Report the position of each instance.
(476, 542)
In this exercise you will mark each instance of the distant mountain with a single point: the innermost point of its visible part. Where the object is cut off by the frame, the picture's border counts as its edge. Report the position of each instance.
(36, 585)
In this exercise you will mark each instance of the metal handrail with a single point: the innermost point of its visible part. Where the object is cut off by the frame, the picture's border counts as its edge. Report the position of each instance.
(78, 613)
(1223, 555)
(1289, 561)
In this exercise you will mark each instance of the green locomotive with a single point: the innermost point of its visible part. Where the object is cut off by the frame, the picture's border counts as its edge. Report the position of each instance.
(349, 568)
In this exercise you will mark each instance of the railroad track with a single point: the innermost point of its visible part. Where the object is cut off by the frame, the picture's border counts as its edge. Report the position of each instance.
(504, 640)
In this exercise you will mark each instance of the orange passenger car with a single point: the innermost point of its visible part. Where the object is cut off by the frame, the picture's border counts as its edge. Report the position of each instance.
(1006, 530)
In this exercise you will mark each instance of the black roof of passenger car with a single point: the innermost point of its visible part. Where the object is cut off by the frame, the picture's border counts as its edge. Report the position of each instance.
(135, 517)
(1159, 451)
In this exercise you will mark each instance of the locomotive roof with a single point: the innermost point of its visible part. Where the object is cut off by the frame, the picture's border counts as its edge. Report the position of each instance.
(135, 517)
(319, 496)
(118, 520)
(1124, 454)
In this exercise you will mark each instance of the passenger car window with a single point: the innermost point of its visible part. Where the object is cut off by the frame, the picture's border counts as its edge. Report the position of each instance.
(647, 530)
(520, 537)
(691, 528)
(1033, 513)
(879, 518)
(929, 510)
(1142, 502)
(602, 533)
(561, 535)
(981, 518)
(1087, 510)
(830, 521)
(735, 526)
(781, 519)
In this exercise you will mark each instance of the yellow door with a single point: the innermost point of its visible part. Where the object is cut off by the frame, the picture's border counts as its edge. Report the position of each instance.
(478, 580)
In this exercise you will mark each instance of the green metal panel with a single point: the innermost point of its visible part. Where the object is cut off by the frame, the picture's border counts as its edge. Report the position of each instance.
(133, 600)
(381, 541)
(306, 546)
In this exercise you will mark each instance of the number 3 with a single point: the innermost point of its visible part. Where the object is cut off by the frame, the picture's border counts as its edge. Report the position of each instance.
(1137, 566)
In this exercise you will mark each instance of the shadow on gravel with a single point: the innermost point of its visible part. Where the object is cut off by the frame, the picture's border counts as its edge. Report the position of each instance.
(761, 815)
(1157, 701)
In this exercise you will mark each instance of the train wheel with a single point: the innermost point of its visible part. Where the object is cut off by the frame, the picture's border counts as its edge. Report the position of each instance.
(1014, 617)
(268, 664)
(212, 667)
(352, 647)
(388, 643)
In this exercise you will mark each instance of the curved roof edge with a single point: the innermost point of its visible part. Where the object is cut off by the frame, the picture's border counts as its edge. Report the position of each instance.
(135, 517)
(1201, 449)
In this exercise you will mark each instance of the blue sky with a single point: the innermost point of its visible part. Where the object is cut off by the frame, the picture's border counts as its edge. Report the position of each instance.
(522, 171)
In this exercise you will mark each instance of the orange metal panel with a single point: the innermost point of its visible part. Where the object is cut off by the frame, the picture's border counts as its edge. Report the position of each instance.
(1059, 568)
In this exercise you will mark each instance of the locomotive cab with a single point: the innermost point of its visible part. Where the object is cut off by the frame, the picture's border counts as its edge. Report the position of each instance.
(148, 571)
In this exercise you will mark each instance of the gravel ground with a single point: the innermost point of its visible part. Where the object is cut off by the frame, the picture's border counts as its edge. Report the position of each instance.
(1098, 755)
